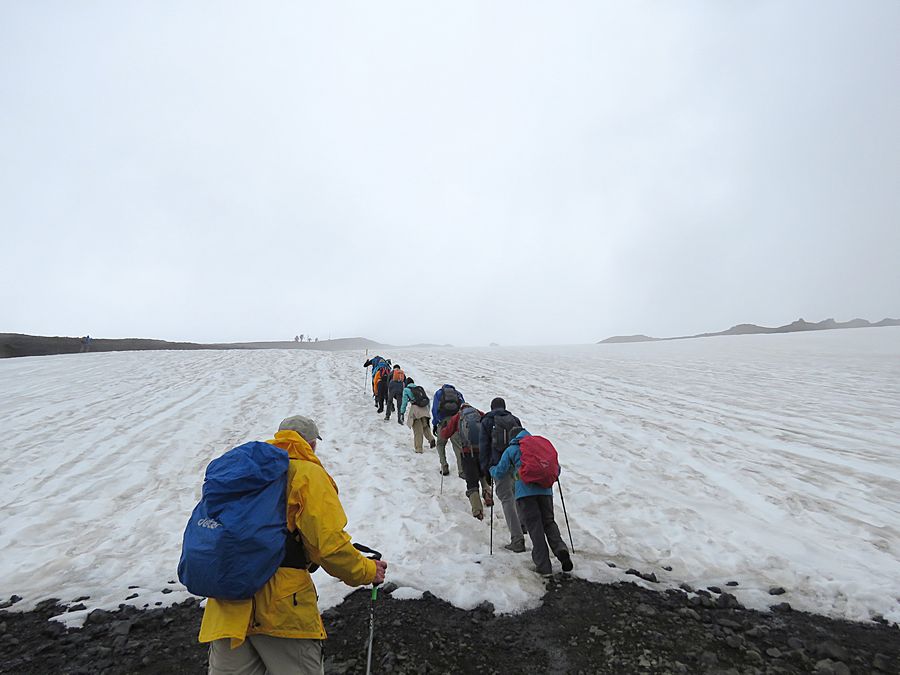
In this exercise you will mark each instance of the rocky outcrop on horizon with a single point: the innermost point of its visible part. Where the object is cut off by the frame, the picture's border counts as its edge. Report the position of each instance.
(752, 329)
(17, 344)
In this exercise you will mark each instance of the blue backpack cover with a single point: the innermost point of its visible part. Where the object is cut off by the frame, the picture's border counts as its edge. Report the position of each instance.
(235, 538)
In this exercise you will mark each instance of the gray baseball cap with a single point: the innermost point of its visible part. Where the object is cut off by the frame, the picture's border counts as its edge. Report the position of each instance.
(302, 425)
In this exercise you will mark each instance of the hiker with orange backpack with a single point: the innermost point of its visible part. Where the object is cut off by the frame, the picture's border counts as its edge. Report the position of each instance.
(395, 393)
(464, 428)
(380, 386)
(534, 464)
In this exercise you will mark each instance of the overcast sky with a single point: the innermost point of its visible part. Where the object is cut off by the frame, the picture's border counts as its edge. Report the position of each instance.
(463, 172)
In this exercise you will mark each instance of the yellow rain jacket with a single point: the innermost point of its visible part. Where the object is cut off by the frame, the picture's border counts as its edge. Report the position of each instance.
(287, 605)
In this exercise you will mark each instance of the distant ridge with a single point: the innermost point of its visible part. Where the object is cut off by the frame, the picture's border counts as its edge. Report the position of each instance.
(752, 329)
(17, 344)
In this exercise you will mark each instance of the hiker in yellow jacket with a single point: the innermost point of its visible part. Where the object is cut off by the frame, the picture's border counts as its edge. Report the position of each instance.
(280, 630)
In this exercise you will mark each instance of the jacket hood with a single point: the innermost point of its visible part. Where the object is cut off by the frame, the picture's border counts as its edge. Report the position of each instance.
(522, 434)
(295, 446)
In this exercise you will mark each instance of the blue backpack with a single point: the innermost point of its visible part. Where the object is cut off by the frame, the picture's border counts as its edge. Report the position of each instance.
(235, 539)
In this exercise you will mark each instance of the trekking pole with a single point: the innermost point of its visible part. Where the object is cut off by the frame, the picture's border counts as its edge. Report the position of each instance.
(373, 555)
(492, 528)
(442, 481)
(565, 514)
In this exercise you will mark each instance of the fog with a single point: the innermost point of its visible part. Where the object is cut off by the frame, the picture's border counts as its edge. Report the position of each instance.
(453, 172)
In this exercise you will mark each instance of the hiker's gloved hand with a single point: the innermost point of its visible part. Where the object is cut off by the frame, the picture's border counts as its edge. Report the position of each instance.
(434, 429)
(380, 568)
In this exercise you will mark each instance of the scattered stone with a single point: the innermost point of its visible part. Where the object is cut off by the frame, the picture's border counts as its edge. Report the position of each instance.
(795, 643)
(774, 652)
(389, 588)
(777, 590)
(645, 610)
(609, 564)
(686, 587)
(98, 617)
(166, 591)
(728, 601)
(133, 587)
(76, 608)
(781, 607)
(714, 589)
(880, 662)
(731, 583)
(734, 641)
(132, 596)
(728, 623)
(709, 659)
(689, 613)
(667, 568)
(753, 657)
(831, 650)
(121, 628)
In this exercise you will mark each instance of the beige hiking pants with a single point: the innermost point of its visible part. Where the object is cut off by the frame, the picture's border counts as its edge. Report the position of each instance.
(421, 426)
(266, 655)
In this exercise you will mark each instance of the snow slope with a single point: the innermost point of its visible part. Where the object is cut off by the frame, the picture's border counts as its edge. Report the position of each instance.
(772, 460)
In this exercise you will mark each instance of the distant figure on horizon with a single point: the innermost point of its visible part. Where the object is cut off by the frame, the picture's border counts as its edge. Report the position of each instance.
(85, 344)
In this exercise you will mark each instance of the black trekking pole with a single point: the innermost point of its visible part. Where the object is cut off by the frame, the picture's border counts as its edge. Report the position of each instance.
(373, 555)
(565, 514)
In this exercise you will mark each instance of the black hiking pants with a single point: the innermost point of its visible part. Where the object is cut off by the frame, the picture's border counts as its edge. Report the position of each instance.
(471, 470)
(536, 513)
(394, 399)
(381, 398)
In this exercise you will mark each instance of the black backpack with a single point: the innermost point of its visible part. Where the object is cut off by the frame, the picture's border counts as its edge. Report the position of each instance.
(419, 397)
(450, 402)
(504, 423)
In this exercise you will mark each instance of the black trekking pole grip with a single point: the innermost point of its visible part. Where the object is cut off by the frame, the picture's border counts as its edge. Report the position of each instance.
(373, 554)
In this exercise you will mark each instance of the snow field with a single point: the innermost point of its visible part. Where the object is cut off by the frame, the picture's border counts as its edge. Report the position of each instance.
(770, 460)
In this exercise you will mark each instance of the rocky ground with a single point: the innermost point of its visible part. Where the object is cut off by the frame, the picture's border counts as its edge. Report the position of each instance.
(580, 628)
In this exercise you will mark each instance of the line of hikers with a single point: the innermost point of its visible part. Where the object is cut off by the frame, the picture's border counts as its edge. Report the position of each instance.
(495, 455)
(269, 515)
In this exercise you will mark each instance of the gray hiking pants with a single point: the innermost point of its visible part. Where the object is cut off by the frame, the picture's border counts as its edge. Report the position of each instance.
(505, 491)
(537, 514)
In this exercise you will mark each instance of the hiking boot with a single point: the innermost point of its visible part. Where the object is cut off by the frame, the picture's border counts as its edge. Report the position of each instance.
(517, 546)
(477, 508)
(399, 419)
(545, 574)
(432, 443)
(566, 560)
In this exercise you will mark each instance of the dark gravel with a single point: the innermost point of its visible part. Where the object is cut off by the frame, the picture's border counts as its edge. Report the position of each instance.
(581, 627)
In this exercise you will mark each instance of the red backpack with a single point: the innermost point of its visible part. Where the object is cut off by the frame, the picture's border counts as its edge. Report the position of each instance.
(540, 463)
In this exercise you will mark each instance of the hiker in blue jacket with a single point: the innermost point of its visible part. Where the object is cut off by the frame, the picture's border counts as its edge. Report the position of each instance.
(535, 506)
(445, 404)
